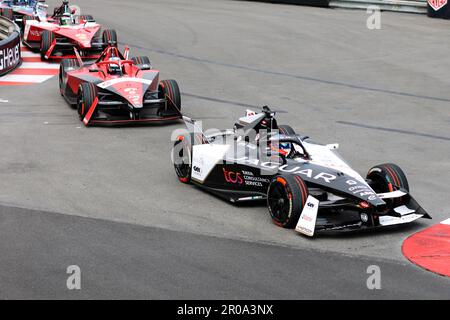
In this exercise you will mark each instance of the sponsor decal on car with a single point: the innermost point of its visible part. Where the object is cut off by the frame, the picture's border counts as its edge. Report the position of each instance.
(307, 222)
(233, 177)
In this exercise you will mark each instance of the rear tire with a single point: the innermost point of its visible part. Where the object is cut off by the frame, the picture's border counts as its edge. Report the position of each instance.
(286, 130)
(109, 36)
(181, 159)
(169, 89)
(47, 39)
(286, 198)
(7, 13)
(66, 65)
(142, 62)
(388, 177)
(87, 17)
(87, 93)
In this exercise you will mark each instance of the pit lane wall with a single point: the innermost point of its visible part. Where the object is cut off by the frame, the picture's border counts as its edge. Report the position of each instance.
(10, 56)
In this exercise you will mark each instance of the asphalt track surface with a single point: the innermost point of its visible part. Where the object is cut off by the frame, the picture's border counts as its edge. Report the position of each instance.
(107, 199)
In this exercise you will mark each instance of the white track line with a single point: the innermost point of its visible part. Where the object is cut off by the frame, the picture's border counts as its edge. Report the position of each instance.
(24, 78)
(39, 65)
(29, 54)
(446, 221)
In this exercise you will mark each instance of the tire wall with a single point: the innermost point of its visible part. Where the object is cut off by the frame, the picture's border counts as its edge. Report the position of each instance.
(10, 56)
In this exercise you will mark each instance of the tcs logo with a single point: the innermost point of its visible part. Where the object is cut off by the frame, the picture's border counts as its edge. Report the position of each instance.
(233, 177)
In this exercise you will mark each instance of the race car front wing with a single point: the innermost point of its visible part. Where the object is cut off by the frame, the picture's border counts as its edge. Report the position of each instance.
(401, 208)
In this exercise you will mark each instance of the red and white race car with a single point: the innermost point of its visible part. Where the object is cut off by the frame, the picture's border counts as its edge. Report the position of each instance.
(118, 90)
(58, 35)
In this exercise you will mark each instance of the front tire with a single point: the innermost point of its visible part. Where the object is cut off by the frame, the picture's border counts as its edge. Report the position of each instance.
(181, 159)
(86, 97)
(387, 177)
(170, 90)
(109, 37)
(66, 65)
(7, 13)
(286, 198)
(47, 39)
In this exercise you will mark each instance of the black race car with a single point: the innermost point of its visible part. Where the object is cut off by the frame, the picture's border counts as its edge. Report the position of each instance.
(307, 186)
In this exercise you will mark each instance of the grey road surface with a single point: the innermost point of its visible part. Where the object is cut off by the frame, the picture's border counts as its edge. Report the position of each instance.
(382, 94)
(119, 260)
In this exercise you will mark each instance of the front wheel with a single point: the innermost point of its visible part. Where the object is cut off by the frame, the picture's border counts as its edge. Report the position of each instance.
(286, 198)
(169, 89)
(181, 158)
(66, 65)
(387, 177)
(47, 39)
(87, 93)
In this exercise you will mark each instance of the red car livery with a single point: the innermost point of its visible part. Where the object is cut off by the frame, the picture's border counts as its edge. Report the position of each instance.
(118, 90)
(56, 37)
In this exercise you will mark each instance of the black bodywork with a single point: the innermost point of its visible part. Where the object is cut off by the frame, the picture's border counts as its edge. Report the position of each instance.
(245, 177)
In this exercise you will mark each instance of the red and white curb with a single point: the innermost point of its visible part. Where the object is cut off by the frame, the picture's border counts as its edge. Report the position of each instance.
(32, 70)
(430, 248)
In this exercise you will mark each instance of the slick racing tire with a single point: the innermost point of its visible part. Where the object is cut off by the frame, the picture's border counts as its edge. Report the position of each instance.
(47, 39)
(169, 89)
(66, 65)
(109, 36)
(286, 198)
(286, 130)
(142, 62)
(181, 158)
(387, 177)
(87, 17)
(7, 13)
(86, 97)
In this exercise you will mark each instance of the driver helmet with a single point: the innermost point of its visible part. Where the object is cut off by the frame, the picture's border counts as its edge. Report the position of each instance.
(114, 68)
(65, 19)
(285, 147)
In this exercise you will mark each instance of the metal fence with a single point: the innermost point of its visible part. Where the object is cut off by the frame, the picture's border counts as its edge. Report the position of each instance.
(412, 6)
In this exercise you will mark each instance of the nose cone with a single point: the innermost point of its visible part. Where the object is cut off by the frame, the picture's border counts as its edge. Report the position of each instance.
(131, 89)
(133, 94)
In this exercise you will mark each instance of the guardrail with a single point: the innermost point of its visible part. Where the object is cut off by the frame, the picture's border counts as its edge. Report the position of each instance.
(316, 3)
(10, 57)
(411, 6)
